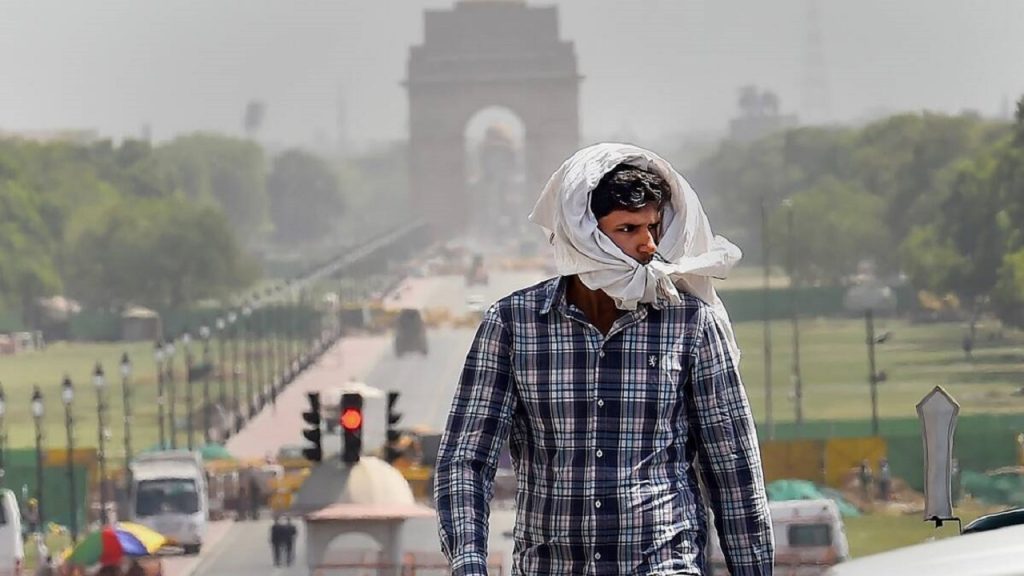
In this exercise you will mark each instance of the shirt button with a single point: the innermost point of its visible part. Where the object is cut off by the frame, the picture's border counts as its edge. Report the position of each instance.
(597, 555)
(601, 354)
(597, 504)
(600, 402)
(600, 453)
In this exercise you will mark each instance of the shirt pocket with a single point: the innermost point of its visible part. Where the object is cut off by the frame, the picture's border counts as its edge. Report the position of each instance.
(666, 379)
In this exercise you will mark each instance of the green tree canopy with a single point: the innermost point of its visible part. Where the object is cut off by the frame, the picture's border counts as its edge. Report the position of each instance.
(159, 253)
(228, 172)
(27, 269)
(305, 197)
(835, 225)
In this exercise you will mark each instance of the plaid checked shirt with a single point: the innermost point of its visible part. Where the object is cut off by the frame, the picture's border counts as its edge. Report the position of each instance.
(604, 431)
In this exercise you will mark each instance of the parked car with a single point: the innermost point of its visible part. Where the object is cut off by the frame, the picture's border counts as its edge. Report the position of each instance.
(410, 332)
(810, 538)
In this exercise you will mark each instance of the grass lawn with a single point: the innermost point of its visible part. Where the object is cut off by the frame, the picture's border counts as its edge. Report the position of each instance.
(871, 534)
(47, 369)
(834, 368)
(833, 362)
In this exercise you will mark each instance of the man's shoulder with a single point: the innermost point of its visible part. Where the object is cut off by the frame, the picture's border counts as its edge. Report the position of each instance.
(531, 299)
(689, 309)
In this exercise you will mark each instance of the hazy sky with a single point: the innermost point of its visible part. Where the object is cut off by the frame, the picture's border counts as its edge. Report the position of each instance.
(653, 67)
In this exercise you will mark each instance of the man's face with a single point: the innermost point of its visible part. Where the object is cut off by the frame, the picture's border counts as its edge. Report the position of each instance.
(635, 233)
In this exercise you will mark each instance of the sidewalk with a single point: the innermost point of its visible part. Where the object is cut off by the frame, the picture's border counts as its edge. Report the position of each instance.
(281, 423)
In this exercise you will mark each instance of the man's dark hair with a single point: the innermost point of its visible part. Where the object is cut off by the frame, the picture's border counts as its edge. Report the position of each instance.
(627, 187)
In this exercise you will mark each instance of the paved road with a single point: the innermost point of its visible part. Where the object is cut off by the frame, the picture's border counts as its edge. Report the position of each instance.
(426, 385)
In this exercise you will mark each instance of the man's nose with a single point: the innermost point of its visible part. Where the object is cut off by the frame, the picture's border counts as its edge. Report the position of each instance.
(648, 245)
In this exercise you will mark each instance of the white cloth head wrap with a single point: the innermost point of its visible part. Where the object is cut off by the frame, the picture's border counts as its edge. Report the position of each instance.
(690, 254)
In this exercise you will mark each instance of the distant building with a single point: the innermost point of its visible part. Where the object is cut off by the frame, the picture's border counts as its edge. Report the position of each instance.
(759, 115)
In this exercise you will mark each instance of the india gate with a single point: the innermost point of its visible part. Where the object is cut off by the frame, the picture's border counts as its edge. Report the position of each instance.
(477, 55)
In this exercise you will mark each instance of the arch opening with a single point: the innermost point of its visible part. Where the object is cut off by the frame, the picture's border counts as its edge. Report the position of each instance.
(495, 174)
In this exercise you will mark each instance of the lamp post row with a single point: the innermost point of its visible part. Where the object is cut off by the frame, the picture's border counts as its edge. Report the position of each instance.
(272, 354)
(266, 352)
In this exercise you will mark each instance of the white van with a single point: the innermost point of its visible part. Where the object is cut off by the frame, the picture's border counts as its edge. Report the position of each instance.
(12, 550)
(170, 495)
(810, 538)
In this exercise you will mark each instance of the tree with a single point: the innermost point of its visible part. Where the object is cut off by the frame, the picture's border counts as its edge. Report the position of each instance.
(228, 172)
(305, 197)
(1008, 294)
(973, 247)
(164, 253)
(27, 269)
(835, 227)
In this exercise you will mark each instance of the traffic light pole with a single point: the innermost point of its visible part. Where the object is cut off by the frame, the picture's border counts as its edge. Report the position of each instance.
(312, 417)
(351, 427)
(393, 434)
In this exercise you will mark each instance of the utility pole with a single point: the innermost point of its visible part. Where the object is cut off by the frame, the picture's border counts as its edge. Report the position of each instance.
(767, 315)
(798, 391)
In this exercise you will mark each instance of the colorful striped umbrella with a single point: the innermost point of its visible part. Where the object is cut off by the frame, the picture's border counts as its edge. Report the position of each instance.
(110, 544)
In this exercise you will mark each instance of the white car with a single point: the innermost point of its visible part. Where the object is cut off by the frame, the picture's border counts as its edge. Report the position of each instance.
(992, 553)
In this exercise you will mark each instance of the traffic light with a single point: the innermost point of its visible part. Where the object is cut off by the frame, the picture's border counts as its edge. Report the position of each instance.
(351, 420)
(312, 417)
(390, 452)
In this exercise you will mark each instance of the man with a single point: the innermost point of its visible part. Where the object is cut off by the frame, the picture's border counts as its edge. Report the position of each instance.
(278, 541)
(617, 386)
(884, 480)
(255, 494)
(866, 479)
(290, 533)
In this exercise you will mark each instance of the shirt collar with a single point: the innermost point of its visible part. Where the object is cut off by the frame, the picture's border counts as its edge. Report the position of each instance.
(554, 293)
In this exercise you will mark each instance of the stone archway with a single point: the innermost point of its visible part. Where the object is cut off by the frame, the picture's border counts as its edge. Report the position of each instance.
(481, 54)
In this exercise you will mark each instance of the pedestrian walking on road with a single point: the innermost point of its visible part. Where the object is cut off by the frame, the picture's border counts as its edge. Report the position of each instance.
(617, 384)
(290, 533)
(277, 541)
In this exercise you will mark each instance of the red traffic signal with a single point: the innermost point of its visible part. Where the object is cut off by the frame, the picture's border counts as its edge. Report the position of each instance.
(352, 419)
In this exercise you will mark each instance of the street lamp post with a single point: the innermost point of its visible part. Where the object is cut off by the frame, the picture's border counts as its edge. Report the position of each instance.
(874, 376)
(867, 297)
(99, 380)
(236, 404)
(186, 340)
(204, 333)
(798, 391)
(37, 416)
(126, 400)
(172, 393)
(161, 401)
(222, 381)
(261, 357)
(67, 396)
(272, 363)
(247, 325)
(289, 343)
(3, 433)
(767, 321)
